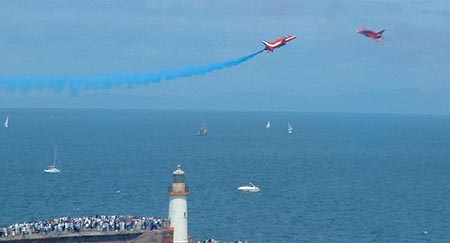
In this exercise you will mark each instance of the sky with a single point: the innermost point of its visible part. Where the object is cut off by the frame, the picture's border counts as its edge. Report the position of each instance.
(329, 67)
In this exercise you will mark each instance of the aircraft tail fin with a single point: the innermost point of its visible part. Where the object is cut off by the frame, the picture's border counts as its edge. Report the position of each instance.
(266, 43)
(381, 32)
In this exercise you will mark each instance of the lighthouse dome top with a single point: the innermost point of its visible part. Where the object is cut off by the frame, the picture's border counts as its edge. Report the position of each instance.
(178, 171)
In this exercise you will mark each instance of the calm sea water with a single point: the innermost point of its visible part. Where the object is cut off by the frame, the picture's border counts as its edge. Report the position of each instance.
(337, 178)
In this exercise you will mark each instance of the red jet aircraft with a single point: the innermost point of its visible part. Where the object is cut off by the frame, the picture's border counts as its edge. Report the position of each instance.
(371, 34)
(270, 46)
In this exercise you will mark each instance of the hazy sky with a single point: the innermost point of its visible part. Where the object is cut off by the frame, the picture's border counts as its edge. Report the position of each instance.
(98, 38)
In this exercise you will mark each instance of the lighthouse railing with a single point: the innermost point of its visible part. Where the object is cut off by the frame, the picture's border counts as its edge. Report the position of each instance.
(170, 189)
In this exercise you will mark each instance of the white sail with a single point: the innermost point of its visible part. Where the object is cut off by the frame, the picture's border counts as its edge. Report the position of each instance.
(7, 121)
(290, 129)
(268, 124)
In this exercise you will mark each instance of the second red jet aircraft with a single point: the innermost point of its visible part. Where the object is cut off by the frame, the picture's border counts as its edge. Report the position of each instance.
(371, 34)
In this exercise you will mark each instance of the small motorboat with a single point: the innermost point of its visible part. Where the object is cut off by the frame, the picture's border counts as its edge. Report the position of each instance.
(249, 188)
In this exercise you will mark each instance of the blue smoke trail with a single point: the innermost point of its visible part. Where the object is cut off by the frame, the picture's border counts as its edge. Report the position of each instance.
(80, 83)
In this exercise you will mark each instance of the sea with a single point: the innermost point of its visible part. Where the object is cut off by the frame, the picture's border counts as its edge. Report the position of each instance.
(339, 177)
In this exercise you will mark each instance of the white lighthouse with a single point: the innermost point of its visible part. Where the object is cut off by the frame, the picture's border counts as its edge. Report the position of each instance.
(178, 215)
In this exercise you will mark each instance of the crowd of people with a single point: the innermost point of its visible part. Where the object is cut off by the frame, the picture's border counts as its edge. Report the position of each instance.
(83, 224)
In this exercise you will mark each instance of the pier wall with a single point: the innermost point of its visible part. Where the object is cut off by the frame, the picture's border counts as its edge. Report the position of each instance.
(155, 236)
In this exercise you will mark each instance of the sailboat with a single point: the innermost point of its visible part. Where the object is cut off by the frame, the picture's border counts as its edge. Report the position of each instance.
(7, 122)
(268, 124)
(203, 130)
(290, 129)
(53, 168)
